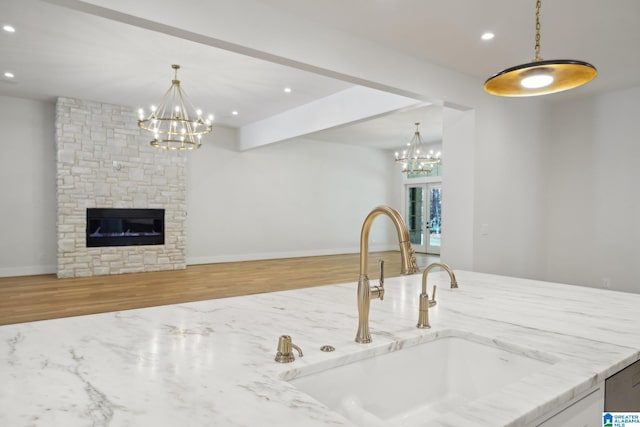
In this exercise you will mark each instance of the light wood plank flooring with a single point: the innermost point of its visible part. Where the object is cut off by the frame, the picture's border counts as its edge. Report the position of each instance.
(30, 298)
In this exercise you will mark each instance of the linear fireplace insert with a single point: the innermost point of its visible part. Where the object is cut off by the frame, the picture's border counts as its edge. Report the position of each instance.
(124, 227)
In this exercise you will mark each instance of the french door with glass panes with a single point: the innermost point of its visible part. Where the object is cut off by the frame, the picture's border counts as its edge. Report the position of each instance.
(423, 216)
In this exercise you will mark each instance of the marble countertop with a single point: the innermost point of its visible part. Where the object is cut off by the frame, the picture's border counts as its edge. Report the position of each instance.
(212, 362)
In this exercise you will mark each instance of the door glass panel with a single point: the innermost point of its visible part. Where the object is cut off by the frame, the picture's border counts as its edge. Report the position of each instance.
(435, 218)
(416, 215)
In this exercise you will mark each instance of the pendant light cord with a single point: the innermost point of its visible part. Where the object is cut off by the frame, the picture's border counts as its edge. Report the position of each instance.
(537, 49)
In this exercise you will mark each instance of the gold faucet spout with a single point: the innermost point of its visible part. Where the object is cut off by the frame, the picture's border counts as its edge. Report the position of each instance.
(445, 267)
(367, 292)
(407, 259)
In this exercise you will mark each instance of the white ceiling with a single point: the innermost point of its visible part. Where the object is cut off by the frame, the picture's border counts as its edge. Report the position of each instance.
(58, 51)
(390, 131)
(604, 33)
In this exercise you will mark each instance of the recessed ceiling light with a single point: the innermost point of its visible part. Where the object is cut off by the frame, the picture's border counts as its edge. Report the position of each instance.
(487, 36)
(9, 75)
(9, 29)
(287, 90)
(234, 112)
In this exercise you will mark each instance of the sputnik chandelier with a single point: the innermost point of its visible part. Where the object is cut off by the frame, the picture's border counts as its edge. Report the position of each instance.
(415, 159)
(540, 77)
(174, 122)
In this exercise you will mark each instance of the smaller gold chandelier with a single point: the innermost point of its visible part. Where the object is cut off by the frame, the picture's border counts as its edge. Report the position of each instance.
(175, 124)
(415, 159)
(540, 77)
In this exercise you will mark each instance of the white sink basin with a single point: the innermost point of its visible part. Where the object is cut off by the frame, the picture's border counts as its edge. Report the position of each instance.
(410, 386)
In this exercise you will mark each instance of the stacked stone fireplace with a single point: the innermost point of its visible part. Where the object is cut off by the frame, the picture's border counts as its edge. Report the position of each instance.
(105, 161)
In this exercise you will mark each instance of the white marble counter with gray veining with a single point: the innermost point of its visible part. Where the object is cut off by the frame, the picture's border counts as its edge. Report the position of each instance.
(211, 363)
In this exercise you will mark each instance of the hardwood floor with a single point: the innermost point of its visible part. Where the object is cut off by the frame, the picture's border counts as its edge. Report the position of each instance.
(30, 298)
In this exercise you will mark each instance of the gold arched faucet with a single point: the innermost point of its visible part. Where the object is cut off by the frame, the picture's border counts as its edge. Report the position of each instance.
(423, 313)
(367, 292)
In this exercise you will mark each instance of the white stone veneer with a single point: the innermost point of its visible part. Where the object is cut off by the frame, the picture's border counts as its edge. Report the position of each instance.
(105, 161)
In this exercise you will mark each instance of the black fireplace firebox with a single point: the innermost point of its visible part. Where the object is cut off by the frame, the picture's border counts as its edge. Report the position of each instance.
(124, 227)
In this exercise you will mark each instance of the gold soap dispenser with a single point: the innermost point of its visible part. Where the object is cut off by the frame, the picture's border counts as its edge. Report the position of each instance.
(285, 350)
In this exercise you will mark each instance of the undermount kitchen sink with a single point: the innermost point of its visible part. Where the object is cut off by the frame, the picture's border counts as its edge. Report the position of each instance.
(410, 386)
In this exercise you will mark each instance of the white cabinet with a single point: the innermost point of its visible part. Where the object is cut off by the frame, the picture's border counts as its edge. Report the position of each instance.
(583, 411)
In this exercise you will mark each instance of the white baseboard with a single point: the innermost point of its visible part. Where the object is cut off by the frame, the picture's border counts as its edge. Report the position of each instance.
(27, 271)
(214, 259)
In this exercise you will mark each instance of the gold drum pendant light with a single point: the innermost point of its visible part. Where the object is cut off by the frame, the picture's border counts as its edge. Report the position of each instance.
(540, 77)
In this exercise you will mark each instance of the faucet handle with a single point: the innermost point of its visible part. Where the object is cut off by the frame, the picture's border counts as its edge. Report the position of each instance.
(285, 354)
(413, 261)
(378, 291)
(432, 301)
(381, 286)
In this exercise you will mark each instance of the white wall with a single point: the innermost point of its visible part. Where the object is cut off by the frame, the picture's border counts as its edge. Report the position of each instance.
(27, 187)
(593, 191)
(510, 139)
(458, 188)
(294, 198)
(270, 34)
(509, 200)
(582, 220)
(499, 123)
